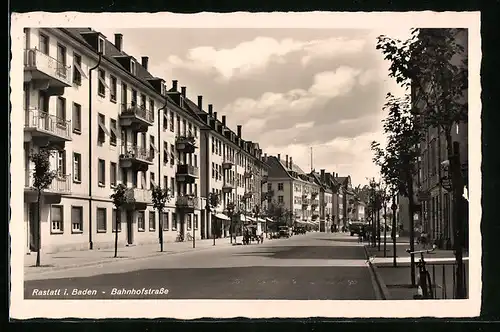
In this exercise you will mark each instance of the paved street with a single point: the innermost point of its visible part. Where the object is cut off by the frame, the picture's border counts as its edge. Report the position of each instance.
(305, 267)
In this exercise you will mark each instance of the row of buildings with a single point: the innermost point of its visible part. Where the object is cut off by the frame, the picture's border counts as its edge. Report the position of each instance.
(433, 201)
(109, 121)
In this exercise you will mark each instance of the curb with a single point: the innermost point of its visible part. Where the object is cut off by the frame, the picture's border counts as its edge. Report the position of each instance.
(111, 260)
(382, 288)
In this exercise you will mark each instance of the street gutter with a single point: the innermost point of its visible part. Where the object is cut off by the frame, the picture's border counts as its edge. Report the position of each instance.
(379, 285)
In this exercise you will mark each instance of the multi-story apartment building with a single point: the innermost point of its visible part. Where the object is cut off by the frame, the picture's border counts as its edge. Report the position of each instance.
(434, 203)
(346, 199)
(326, 199)
(107, 119)
(289, 186)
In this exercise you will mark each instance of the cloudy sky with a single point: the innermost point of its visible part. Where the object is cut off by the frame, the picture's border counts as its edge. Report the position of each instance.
(291, 89)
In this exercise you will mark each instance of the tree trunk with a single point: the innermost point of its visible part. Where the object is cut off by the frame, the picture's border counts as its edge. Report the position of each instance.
(393, 232)
(411, 211)
(385, 228)
(160, 228)
(116, 233)
(453, 150)
(378, 226)
(38, 226)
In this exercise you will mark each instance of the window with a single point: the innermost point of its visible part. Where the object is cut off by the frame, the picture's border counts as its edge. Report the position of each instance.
(61, 163)
(189, 221)
(213, 170)
(270, 187)
(101, 172)
(77, 118)
(56, 219)
(77, 167)
(113, 89)
(44, 44)
(132, 67)
(102, 131)
(112, 174)
(101, 86)
(124, 94)
(195, 161)
(165, 153)
(151, 105)
(164, 221)
(124, 176)
(165, 120)
(78, 72)
(171, 122)
(280, 186)
(101, 220)
(143, 101)
(152, 182)
(152, 147)
(196, 189)
(117, 223)
(134, 97)
(152, 221)
(113, 133)
(140, 221)
(61, 111)
(172, 156)
(76, 219)
(280, 199)
(100, 46)
(195, 221)
(172, 186)
(174, 221)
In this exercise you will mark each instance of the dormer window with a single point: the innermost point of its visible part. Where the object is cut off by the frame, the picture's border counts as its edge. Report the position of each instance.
(100, 45)
(132, 67)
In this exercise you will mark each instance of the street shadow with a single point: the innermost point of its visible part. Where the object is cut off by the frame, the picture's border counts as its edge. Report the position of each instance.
(307, 252)
(352, 240)
(41, 266)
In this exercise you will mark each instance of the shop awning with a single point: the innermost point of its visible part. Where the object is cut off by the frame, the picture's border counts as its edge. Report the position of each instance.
(245, 218)
(261, 220)
(222, 216)
(269, 219)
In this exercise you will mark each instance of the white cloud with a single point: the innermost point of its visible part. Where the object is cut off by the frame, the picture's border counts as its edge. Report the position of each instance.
(304, 125)
(326, 85)
(253, 56)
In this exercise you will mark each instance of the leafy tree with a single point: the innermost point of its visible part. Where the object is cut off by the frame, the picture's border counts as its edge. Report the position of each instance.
(119, 197)
(434, 63)
(160, 198)
(212, 203)
(42, 179)
(231, 210)
(398, 160)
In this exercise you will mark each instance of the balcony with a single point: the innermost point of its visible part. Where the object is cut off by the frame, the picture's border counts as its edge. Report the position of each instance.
(227, 163)
(136, 117)
(135, 157)
(187, 203)
(138, 199)
(264, 179)
(305, 202)
(61, 185)
(248, 195)
(186, 144)
(44, 128)
(314, 194)
(227, 188)
(46, 71)
(248, 174)
(314, 203)
(187, 173)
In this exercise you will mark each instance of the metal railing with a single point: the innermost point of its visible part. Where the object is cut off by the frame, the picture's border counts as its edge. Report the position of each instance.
(136, 152)
(305, 201)
(184, 169)
(60, 184)
(35, 59)
(138, 195)
(43, 121)
(187, 201)
(185, 139)
(137, 111)
(443, 278)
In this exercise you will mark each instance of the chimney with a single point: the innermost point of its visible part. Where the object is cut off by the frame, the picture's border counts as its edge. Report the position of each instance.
(322, 175)
(145, 60)
(265, 157)
(118, 41)
(210, 109)
(183, 91)
(200, 102)
(224, 120)
(290, 163)
(286, 161)
(279, 157)
(238, 127)
(174, 85)
(215, 116)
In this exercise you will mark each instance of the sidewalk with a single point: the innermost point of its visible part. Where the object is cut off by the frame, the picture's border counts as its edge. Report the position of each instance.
(395, 282)
(70, 259)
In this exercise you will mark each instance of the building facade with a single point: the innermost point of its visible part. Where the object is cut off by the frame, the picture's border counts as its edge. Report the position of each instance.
(108, 121)
(326, 200)
(346, 200)
(434, 202)
(290, 187)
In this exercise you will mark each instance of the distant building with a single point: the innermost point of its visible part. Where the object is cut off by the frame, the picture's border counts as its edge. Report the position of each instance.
(346, 200)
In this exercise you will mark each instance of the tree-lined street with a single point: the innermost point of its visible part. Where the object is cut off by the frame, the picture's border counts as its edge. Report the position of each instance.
(315, 266)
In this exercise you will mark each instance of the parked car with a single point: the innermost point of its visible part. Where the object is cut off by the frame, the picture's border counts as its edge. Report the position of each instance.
(284, 231)
(355, 227)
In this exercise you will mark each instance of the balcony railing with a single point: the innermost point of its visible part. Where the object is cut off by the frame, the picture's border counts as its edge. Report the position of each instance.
(228, 162)
(61, 184)
(136, 153)
(135, 111)
(36, 60)
(48, 124)
(227, 187)
(315, 202)
(136, 195)
(264, 179)
(187, 202)
(305, 201)
(248, 194)
(188, 170)
(185, 143)
(248, 174)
